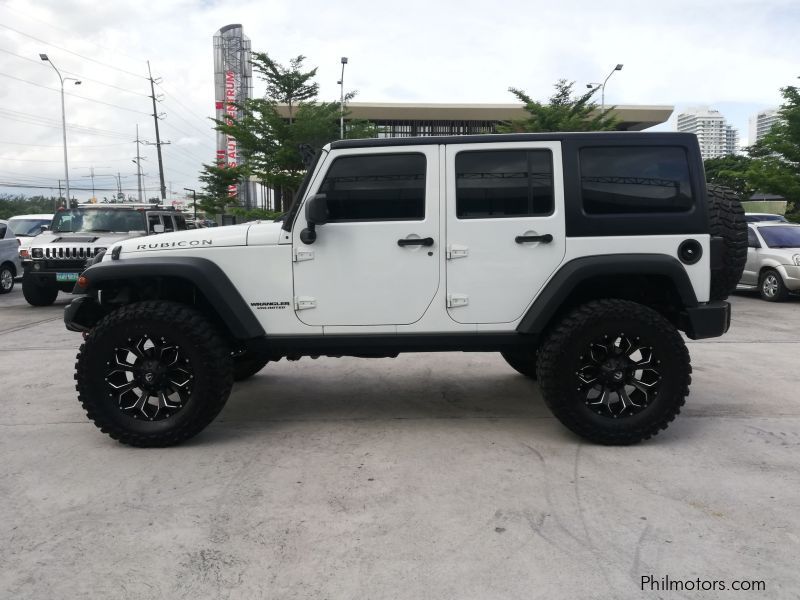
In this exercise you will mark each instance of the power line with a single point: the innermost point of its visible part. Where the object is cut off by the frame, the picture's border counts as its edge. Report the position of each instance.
(78, 75)
(17, 31)
(14, 115)
(71, 94)
(179, 103)
(7, 143)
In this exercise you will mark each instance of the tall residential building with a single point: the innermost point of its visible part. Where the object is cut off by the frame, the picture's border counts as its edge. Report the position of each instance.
(716, 137)
(761, 123)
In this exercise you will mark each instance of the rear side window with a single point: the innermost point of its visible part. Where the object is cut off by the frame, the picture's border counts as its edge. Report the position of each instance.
(152, 221)
(180, 223)
(504, 183)
(379, 187)
(168, 226)
(2, 231)
(635, 179)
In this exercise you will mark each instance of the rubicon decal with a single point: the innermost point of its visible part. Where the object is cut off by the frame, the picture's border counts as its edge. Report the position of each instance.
(180, 244)
(269, 305)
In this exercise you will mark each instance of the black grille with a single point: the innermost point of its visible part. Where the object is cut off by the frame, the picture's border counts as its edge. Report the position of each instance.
(64, 265)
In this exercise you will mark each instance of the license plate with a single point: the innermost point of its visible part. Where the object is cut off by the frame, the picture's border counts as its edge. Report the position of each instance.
(67, 276)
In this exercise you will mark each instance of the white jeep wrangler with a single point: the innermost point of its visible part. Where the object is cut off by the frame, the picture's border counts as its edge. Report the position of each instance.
(579, 257)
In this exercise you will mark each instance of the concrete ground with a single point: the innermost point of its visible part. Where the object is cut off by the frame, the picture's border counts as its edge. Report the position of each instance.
(422, 477)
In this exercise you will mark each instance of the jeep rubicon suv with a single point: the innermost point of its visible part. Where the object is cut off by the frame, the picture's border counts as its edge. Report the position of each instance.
(580, 257)
(54, 260)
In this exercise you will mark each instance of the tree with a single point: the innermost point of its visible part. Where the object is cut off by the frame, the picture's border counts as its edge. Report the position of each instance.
(730, 171)
(289, 86)
(268, 142)
(776, 165)
(217, 183)
(564, 111)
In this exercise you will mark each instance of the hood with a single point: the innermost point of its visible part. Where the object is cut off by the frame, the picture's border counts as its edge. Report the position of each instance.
(211, 237)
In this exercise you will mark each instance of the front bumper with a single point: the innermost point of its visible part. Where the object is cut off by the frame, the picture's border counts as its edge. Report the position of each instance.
(791, 276)
(708, 320)
(83, 313)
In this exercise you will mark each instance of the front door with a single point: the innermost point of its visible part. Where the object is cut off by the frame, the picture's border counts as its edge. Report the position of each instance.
(376, 261)
(750, 273)
(505, 227)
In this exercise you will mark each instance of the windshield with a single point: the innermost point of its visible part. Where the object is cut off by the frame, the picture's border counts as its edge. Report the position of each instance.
(781, 237)
(27, 227)
(98, 220)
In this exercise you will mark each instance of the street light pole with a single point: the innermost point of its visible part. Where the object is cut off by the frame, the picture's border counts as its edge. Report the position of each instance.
(63, 119)
(194, 200)
(603, 88)
(341, 100)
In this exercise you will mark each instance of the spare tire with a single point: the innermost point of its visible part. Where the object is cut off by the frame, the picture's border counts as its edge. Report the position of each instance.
(726, 221)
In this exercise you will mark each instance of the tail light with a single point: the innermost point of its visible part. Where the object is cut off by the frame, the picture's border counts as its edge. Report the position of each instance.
(24, 253)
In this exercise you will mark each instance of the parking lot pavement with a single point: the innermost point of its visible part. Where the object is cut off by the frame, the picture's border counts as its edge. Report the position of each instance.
(426, 476)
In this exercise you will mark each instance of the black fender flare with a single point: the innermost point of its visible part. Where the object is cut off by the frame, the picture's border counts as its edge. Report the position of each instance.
(571, 274)
(206, 275)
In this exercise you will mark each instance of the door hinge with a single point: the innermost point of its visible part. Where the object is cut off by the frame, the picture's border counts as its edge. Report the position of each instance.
(456, 300)
(456, 251)
(304, 302)
(301, 254)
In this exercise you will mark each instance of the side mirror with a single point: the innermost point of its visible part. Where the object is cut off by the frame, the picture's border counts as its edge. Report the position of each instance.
(316, 214)
(317, 210)
(158, 228)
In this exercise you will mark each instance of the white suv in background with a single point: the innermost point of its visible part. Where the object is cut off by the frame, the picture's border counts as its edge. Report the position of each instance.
(773, 259)
(27, 227)
(10, 266)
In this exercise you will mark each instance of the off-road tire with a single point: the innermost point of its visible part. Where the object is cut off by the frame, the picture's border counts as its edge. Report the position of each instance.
(521, 361)
(246, 366)
(726, 220)
(6, 278)
(566, 347)
(36, 294)
(781, 291)
(207, 356)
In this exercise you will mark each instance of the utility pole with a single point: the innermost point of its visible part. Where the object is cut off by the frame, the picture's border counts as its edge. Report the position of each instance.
(158, 137)
(55, 204)
(194, 201)
(138, 162)
(91, 174)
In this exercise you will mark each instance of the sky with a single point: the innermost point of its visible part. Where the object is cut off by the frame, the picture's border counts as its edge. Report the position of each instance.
(733, 55)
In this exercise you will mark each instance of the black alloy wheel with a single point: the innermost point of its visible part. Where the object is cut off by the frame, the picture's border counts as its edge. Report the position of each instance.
(614, 371)
(153, 373)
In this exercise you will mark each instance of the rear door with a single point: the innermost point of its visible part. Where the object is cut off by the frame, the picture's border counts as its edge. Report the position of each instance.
(505, 227)
(751, 267)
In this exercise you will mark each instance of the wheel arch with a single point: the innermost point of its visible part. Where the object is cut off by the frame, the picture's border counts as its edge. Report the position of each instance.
(190, 280)
(658, 281)
(11, 264)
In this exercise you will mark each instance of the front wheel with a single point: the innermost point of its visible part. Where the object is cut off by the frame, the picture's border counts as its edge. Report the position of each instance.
(6, 279)
(771, 286)
(153, 373)
(37, 294)
(614, 372)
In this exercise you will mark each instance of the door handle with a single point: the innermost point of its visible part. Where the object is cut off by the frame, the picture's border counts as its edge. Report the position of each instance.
(428, 241)
(545, 239)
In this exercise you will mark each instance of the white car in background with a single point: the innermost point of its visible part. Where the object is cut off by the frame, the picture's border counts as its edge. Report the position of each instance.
(10, 266)
(27, 227)
(773, 259)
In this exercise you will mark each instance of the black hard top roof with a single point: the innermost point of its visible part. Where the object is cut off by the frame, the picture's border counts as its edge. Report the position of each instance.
(640, 137)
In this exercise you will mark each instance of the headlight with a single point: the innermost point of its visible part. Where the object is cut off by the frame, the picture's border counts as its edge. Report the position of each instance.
(37, 253)
(796, 259)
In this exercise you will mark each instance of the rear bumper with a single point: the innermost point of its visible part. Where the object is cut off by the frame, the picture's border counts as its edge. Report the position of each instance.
(708, 320)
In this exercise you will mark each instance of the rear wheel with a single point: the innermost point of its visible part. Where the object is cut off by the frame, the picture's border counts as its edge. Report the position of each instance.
(6, 278)
(38, 294)
(153, 374)
(523, 362)
(614, 372)
(771, 286)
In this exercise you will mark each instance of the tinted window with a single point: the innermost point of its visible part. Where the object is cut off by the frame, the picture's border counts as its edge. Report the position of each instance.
(168, 226)
(386, 187)
(783, 236)
(752, 240)
(504, 183)
(152, 221)
(180, 223)
(2, 231)
(635, 180)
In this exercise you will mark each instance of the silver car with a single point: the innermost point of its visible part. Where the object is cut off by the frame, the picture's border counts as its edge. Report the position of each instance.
(773, 259)
(9, 258)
